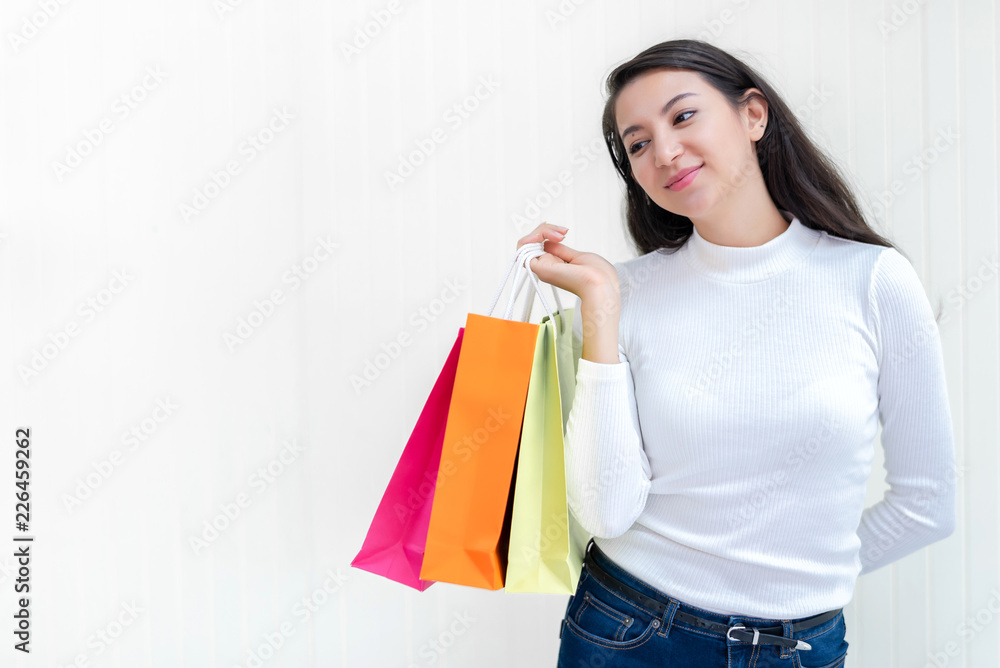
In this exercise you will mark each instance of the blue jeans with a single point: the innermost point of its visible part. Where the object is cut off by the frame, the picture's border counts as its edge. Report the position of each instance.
(605, 628)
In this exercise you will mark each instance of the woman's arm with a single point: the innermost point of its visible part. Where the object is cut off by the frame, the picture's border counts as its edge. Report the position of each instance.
(919, 507)
(607, 472)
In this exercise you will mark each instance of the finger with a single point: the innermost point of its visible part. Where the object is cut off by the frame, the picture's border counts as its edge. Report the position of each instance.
(561, 251)
(561, 229)
(548, 233)
(554, 271)
(540, 235)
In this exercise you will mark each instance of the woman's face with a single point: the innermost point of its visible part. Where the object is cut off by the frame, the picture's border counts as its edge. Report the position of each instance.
(672, 120)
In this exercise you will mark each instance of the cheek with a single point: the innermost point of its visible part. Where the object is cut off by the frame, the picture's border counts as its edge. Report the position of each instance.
(646, 174)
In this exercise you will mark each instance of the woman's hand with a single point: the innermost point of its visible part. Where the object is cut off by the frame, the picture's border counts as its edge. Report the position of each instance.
(587, 275)
(591, 278)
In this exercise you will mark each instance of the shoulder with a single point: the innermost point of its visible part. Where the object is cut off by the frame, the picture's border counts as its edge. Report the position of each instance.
(859, 257)
(888, 276)
(875, 274)
(895, 284)
(900, 311)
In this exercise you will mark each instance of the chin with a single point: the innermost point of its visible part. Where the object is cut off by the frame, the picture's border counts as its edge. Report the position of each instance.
(695, 207)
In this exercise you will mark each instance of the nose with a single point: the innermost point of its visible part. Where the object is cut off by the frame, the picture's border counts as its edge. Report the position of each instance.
(666, 151)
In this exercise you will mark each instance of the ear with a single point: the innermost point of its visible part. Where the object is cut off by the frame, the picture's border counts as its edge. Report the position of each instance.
(755, 113)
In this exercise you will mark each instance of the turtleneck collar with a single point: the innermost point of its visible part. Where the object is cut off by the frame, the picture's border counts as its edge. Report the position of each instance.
(749, 264)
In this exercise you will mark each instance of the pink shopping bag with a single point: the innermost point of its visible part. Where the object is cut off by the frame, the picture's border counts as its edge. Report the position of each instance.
(394, 546)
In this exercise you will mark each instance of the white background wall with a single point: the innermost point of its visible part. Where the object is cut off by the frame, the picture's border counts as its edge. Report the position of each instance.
(876, 83)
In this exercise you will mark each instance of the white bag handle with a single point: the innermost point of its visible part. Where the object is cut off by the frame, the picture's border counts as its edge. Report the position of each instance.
(513, 263)
(519, 278)
(523, 256)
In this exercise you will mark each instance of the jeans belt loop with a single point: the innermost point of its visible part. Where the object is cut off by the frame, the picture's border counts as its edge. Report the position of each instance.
(786, 625)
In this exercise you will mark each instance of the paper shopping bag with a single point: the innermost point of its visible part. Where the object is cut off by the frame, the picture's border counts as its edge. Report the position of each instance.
(546, 545)
(465, 537)
(394, 546)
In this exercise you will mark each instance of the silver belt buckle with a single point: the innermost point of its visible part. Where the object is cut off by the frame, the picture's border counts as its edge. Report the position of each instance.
(800, 644)
(756, 633)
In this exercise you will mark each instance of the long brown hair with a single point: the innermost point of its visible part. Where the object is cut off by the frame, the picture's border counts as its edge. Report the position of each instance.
(799, 177)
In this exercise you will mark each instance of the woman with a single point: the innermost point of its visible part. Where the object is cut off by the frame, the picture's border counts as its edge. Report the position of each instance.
(731, 384)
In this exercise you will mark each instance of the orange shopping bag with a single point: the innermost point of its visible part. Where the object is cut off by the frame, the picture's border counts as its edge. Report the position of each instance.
(470, 517)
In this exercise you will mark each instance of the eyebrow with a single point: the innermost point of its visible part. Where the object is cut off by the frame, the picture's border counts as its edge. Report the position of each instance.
(633, 128)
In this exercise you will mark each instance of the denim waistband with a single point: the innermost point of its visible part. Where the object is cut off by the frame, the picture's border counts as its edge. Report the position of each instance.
(645, 588)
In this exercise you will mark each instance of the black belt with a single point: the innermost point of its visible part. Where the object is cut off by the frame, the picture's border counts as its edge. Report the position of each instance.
(773, 635)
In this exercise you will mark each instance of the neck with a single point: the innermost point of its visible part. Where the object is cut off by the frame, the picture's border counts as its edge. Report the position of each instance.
(733, 228)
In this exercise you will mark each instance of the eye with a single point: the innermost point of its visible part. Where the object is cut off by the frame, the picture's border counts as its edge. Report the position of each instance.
(637, 146)
(682, 114)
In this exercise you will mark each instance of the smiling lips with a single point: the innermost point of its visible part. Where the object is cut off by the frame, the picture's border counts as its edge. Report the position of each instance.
(683, 178)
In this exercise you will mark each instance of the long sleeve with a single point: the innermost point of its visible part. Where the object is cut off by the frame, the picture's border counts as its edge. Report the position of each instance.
(607, 471)
(919, 506)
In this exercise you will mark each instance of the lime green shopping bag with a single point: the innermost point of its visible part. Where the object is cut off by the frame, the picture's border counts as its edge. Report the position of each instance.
(547, 545)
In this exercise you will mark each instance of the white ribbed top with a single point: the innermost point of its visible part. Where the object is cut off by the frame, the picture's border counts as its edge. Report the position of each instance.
(724, 458)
